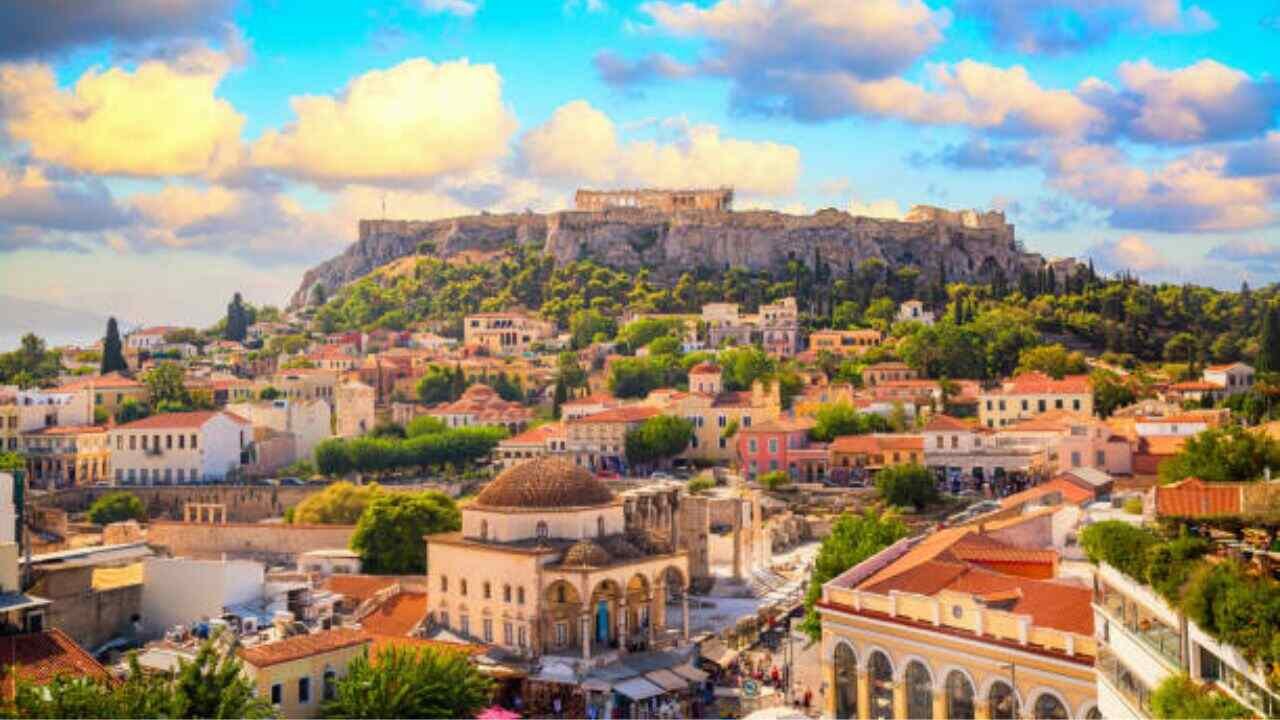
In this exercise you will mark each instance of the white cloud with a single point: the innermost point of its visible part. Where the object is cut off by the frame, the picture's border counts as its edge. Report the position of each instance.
(580, 143)
(460, 8)
(1057, 26)
(410, 123)
(160, 119)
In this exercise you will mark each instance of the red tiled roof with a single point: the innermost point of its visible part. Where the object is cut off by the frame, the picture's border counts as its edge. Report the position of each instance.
(1049, 421)
(705, 368)
(941, 422)
(780, 425)
(627, 414)
(537, 435)
(1036, 383)
(185, 420)
(358, 588)
(985, 549)
(1194, 497)
(301, 646)
(40, 657)
(592, 399)
(876, 443)
(67, 430)
(1072, 493)
(1194, 385)
(1162, 445)
(401, 614)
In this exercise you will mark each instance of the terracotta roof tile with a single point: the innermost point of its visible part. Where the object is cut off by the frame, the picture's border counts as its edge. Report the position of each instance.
(537, 435)
(358, 587)
(110, 381)
(941, 422)
(625, 414)
(40, 657)
(1195, 498)
(195, 419)
(301, 646)
(1035, 383)
(1072, 493)
(401, 614)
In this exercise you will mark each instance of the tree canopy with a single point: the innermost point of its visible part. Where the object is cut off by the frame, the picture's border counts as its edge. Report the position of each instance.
(112, 350)
(658, 438)
(389, 534)
(833, 420)
(115, 507)
(31, 365)
(853, 538)
(908, 485)
(1052, 360)
(1227, 454)
(340, 503)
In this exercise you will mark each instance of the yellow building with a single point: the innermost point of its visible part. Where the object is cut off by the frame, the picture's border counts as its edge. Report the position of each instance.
(65, 456)
(10, 435)
(714, 412)
(845, 342)
(109, 391)
(299, 673)
(505, 333)
(1030, 394)
(959, 624)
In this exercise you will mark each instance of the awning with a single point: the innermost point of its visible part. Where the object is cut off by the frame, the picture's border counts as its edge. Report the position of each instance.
(690, 672)
(596, 685)
(718, 653)
(667, 680)
(638, 689)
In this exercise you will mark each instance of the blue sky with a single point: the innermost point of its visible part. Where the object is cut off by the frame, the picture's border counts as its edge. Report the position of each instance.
(158, 155)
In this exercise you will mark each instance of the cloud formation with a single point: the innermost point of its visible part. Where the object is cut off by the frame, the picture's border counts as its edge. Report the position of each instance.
(48, 27)
(409, 123)
(1256, 255)
(1060, 26)
(159, 119)
(1130, 253)
(54, 210)
(619, 72)
(459, 8)
(580, 143)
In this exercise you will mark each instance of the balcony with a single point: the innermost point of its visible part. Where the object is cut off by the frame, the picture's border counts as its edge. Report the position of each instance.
(1128, 686)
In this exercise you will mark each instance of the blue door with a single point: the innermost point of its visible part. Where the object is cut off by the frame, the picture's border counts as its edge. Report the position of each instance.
(602, 622)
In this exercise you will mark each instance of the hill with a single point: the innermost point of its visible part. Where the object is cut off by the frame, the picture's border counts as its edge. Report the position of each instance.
(58, 325)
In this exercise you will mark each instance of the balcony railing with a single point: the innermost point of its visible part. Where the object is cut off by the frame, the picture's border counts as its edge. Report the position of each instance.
(1124, 682)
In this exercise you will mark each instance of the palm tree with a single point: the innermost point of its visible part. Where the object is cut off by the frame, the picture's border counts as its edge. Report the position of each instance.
(419, 682)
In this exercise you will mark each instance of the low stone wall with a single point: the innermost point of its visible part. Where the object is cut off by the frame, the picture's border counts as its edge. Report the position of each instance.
(271, 543)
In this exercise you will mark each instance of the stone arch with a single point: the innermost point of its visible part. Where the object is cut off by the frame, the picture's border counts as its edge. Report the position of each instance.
(880, 677)
(602, 609)
(671, 577)
(900, 670)
(918, 679)
(845, 662)
(1002, 699)
(1090, 711)
(1049, 704)
(562, 604)
(961, 693)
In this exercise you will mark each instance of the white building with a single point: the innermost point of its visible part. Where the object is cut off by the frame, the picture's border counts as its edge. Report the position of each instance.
(913, 311)
(309, 421)
(1142, 641)
(1185, 425)
(178, 591)
(36, 409)
(1233, 378)
(178, 447)
(148, 339)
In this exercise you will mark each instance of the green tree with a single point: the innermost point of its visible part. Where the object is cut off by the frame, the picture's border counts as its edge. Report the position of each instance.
(213, 685)
(585, 325)
(840, 418)
(635, 377)
(238, 321)
(907, 485)
(1123, 546)
(333, 458)
(131, 410)
(1178, 697)
(1226, 454)
(641, 332)
(341, 503)
(1110, 392)
(166, 386)
(115, 507)
(701, 483)
(31, 365)
(113, 350)
(425, 425)
(569, 371)
(427, 682)
(270, 393)
(853, 538)
(389, 534)
(1052, 360)
(658, 438)
(1268, 359)
(775, 480)
(742, 366)
(437, 385)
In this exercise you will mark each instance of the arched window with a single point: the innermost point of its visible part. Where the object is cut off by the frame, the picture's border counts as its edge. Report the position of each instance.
(330, 686)
(919, 691)
(1004, 704)
(506, 593)
(520, 595)
(463, 586)
(1049, 707)
(1093, 713)
(487, 590)
(542, 530)
(959, 696)
(880, 675)
(600, 526)
(846, 683)
(484, 529)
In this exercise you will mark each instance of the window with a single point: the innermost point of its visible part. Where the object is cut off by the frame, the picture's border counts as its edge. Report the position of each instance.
(1075, 404)
(487, 588)
(304, 690)
(751, 446)
(464, 624)
(506, 633)
(746, 421)
(938, 441)
(1042, 405)
(444, 618)
(955, 442)
(168, 442)
(330, 689)
(181, 472)
(1100, 458)
(133, 442)
(600, 526)
(484, 529)
(721, 421)
(520, 595)
(1057, 404)
(444, 583)
(488, 630)
(989, 405)
(193, 441)
(119, 475)
(506, 593)
(523, 636)
(182, 442)
(277, 694)
(542, 530)
(562, 633)
(462, 587)
(1002, 406)
(723, 443)
(773, 446)
(1075, 459)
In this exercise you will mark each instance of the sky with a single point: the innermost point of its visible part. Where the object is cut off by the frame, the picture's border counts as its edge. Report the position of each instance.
(157, 156)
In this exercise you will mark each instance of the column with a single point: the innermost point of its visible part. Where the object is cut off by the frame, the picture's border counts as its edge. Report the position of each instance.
(585, 626)
(828, 679)
(864, 695)
(684, 612)
(981, 709)
(900, 700)
(622, 625)
(939, 703)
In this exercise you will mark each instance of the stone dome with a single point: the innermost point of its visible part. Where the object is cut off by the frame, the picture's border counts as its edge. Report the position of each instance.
(585, 553)
(546, 483)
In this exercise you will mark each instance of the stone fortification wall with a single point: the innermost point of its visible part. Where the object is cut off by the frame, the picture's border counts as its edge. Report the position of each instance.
(972, 245)
(271, 543)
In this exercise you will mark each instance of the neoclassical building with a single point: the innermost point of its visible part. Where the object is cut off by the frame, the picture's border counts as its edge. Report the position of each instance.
(958, 624)
(545, 565)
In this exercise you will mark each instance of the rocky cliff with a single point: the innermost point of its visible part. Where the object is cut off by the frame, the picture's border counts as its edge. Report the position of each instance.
(971, 245)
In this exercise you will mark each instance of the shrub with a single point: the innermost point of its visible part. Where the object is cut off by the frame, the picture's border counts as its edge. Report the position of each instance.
(1177, 697)
(1169, 565)
(907, 485)
(701, 483)
(1119, 544)
(115, 507)
(1133, 505)
(774, 480)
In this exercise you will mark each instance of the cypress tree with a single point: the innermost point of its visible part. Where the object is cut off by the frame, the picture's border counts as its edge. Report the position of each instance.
(237, 320)
(112, 351)
(1269, 342)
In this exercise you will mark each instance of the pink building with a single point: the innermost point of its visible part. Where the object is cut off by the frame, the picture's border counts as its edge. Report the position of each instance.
(781, 444)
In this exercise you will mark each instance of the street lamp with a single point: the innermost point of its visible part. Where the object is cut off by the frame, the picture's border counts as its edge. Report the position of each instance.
(1013, 686)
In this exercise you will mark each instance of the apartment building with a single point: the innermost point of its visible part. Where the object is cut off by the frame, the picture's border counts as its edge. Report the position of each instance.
(109, 392)
(299, 673)
(877, 373)
(180, 447)
(599, 441)
(844, 342)
(505, 333)
(775, 326)
(1031, 394)
(549, 439)
(309, 422)
(63, 456)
